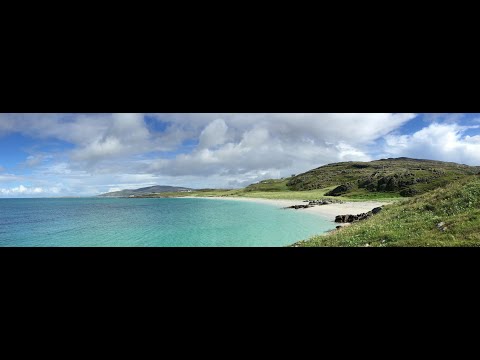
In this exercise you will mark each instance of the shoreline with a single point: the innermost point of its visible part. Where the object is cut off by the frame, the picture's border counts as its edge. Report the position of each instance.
(328, 212)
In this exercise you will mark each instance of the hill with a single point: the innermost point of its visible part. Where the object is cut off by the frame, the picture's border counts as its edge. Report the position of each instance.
(395, 176)
(146, 191)
(447, 216)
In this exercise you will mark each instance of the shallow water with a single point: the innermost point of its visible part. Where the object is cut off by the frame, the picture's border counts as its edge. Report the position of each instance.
(152, 222)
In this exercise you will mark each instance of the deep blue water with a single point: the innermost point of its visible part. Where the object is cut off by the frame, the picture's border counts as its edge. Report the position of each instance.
(152, 222)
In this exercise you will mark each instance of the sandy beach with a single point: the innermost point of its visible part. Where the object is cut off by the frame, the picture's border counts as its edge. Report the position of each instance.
(326, 211)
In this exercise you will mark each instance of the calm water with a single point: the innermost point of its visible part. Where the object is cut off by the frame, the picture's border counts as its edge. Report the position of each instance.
(152, 222)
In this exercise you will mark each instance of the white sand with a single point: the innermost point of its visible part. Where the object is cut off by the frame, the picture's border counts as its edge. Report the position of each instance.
(326, 211)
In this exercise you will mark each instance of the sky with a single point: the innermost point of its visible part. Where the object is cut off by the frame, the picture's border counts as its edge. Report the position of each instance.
(44, 155)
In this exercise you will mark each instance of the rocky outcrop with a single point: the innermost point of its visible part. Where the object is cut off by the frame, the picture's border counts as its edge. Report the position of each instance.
(353, 218)
(408, 192)
(323, 202)
(312, 203)
(296, 207)
(340, 190)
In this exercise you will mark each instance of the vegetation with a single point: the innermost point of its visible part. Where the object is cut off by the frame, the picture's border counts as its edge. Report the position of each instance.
(401, 177)
(434, 203)
(386, 180)
(292, 195)
(448, 216)
(276, 195)
(268, 185)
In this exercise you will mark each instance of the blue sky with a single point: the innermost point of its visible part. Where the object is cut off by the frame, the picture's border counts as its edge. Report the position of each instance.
(88, 154)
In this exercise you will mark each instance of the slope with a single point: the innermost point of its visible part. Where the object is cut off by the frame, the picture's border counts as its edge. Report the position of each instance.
(447, 216)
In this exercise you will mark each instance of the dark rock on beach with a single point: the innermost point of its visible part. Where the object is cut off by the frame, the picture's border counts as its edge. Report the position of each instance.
(296, 207)
(353, 218)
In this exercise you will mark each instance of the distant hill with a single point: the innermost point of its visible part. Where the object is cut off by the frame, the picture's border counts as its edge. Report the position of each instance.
(146, 191)
(396, 176)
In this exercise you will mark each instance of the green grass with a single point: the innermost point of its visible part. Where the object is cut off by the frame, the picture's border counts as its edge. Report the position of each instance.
(291, 195)
(268, 185)
(390, 177)
(412, 222)
(279, 195)
(381, 180)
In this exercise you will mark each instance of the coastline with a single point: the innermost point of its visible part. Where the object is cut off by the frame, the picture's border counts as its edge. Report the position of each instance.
(329, 211)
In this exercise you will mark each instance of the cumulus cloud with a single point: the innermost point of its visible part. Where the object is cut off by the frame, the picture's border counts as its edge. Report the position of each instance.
(438, 141)
(275, 142)
(124, 150)
(214, 134)
(289, 126)
(95, 136)
(24, 190)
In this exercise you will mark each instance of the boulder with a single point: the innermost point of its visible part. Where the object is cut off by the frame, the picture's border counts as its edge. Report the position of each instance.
(340, 190)
(441, 226)
(296, 207)
(351, 218)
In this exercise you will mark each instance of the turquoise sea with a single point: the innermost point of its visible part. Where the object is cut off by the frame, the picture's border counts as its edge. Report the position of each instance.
(152, 222)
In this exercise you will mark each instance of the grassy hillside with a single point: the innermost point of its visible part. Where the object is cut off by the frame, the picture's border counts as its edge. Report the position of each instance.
(251, 193)
(387, 179)
(413, 222)
(401, 177)
(269, 185)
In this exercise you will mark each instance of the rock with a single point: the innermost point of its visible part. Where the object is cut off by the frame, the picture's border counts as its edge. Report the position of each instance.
(341, 218)
(340, 190)
(409, 192)
(296, 207)
(441, 226)
(351, 218)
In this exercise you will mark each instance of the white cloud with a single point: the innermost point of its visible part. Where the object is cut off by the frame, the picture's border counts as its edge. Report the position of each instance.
(446, 142)
(214, 134)
(109, 149)
(284, 143)
(22, 190)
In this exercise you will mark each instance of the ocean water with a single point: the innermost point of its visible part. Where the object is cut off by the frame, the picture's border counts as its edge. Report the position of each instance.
(152, 222)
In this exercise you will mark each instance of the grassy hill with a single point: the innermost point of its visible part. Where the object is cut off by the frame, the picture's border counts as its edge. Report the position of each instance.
(269, 185)
(401, 177)
(417, 221)
(386, 179)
